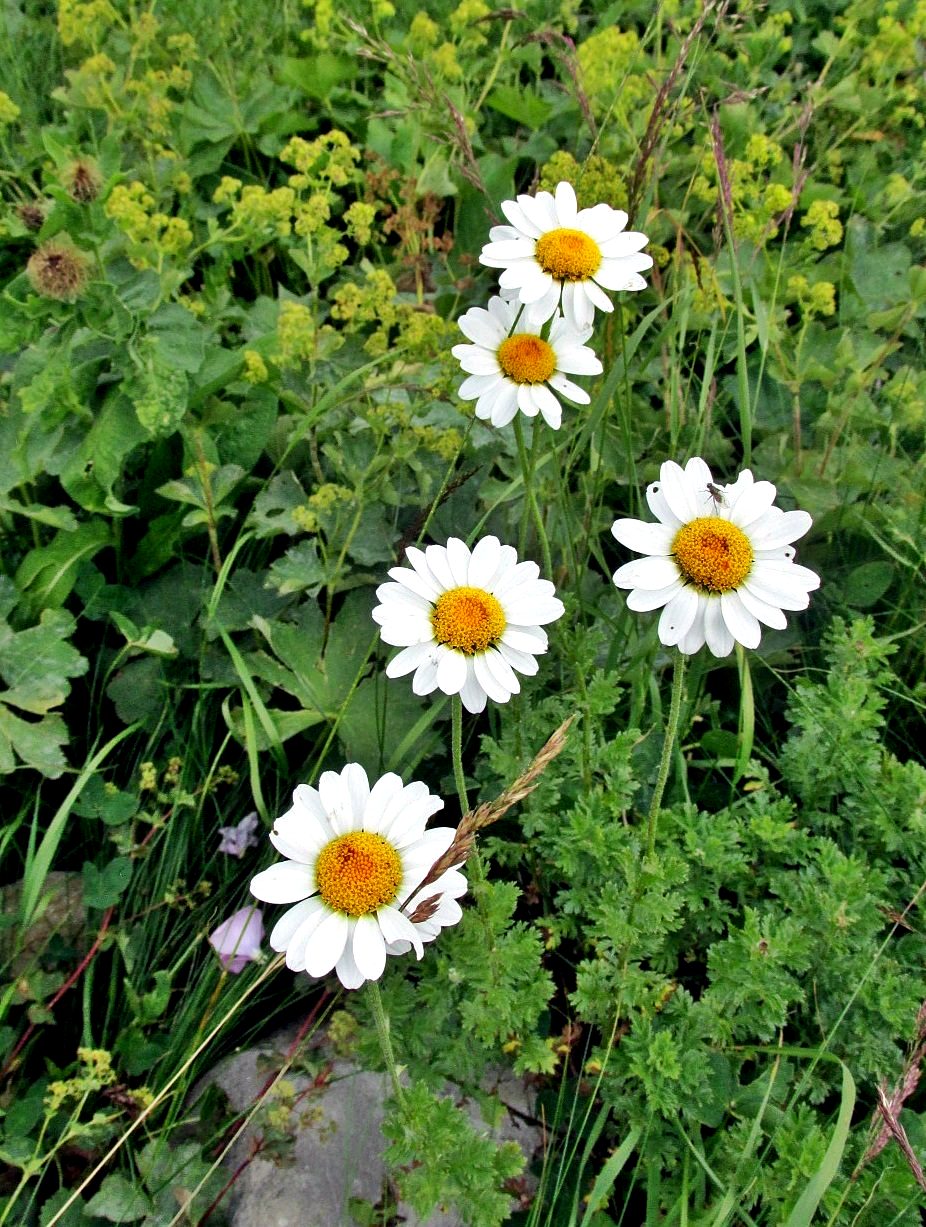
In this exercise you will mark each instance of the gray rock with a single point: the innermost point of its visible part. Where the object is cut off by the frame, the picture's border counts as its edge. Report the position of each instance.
(338, 1144)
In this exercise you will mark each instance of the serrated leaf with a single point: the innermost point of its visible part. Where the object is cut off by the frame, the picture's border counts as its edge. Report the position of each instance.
(299, 570)
(119, 1201)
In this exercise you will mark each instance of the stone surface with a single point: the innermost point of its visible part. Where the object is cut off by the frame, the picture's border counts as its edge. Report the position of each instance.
(61, 911)
(339, 1148)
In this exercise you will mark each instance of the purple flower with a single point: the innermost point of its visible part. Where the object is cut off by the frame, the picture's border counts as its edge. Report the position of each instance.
(236, 840)
(237, 940)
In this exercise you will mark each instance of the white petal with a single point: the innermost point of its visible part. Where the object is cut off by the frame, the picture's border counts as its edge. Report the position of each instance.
(597, 297)
(336, 800)
(327, 944)
(285, 928)
(396, 927)
(677, 616)
(436, 556)
(425, 679)
(285, 882)
(347, 970)
(642, 600)
(409, 659)
(742, 625)
(717, 634)
(566, 204)
(483, 562)
(357, 787)
(678, 491)
(487, 680)
(769, 614)
(368, 947)
(480, 327)
(653, 572)
(386, 788)
(656, 501)
(524, 662)
(752, 504)
(458, 560)
(643, 537)
(451, 672)
(693, 641)
(299, 942)
(472, 695)
(787, 527)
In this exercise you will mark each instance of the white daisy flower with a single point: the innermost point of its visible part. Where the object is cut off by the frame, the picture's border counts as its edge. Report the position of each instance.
(553, 249)
(466, 620)
(355, 859)
(511, 371)
(720, 560)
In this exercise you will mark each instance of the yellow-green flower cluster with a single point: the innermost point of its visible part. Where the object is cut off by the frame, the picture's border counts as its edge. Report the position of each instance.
(95, 1073)
(373, 302)
(358, 221)
(85, 21)
(296, 335)
(255, 368)
(9, 111)
(605, 60)
(330, 159)
(816, 299)
(758, 200)
(596, 180)
(150, 234)
(822, 220)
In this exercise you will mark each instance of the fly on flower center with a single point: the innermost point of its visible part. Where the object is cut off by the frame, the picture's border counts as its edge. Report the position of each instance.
(713, 554)
(526, 358)
(568, 255)
(358, 873)
(469, 620)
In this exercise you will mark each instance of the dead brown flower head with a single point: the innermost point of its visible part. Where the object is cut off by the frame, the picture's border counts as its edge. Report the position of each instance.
(82, 180)
(58, 270)
(31, 214)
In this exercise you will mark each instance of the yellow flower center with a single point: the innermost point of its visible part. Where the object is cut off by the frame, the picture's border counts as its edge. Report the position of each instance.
(713, 554)
(568, 255)
(468, 620)
(357, 873)
(526, 358)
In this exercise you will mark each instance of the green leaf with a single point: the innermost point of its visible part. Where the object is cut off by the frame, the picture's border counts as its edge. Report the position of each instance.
(868, 583)
(317, 75)
(519, 105)
(103, 887)
(119, 1201)
(299, 570)
(806, 1207)
(36, 663)
(137, 690)
(49, 572)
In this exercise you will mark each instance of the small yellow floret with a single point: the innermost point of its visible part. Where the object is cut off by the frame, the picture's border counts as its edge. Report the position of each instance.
(358, 873)
(568, 255)
(713, 554)
(469, 620)
(526, 358)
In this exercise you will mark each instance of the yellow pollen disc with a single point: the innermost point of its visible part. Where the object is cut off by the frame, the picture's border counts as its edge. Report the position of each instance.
(468, 619)
(358, 873)
(713, 554)
(526, 358)
(568, 255)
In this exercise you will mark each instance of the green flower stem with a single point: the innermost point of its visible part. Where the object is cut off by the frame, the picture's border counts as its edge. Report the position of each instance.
(675, 707)
(527, 471)
(382, 1030)
(474, 861)
(456, 724)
